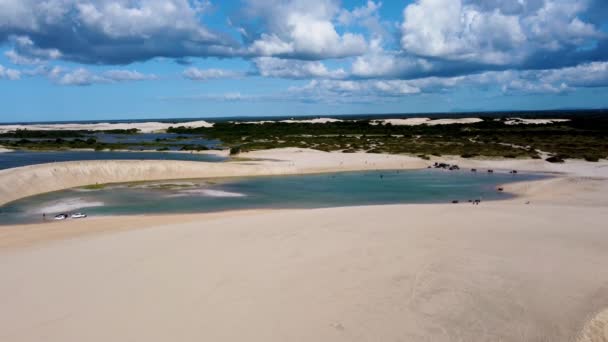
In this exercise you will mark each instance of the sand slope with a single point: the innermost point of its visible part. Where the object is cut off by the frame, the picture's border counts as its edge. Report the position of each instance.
(496, 272)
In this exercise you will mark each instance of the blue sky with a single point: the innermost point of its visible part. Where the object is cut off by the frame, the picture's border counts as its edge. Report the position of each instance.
(121, 59)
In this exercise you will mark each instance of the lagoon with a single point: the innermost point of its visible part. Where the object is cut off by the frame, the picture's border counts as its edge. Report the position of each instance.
(292, 191)
(24, 158)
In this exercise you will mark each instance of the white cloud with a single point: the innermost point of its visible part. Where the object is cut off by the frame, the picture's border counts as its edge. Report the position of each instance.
(492, 34)
(80, 77)
(509, 82)
(84, 77)
(207, 74)
(451, 30)
(282, 68)
(24, 52)
(127, 75)
(111, 32)
(302, 29)
(9, 74)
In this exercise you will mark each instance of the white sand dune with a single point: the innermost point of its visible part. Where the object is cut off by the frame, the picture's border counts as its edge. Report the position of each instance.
(144, 127)
(521, 121)
(316, 120)
(426, 121)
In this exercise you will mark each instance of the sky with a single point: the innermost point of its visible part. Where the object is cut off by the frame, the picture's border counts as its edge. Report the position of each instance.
(133, 59)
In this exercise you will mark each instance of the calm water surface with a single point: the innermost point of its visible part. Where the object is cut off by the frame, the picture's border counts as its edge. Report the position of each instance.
(23, 158)
(298, 191)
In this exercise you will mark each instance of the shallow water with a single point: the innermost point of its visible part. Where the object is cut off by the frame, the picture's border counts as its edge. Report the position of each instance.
(23, 158)
(297, 191)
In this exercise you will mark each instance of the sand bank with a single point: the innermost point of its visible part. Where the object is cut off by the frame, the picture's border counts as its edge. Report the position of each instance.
(144, 127)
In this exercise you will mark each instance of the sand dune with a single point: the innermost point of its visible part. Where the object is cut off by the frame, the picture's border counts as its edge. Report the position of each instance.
(496, 272)
(144, 127)
(521, 121)
(426, 121)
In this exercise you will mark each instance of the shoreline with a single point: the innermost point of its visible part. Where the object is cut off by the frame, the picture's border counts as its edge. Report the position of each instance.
(43, 178)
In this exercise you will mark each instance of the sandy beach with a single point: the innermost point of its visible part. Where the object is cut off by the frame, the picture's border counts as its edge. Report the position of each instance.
(501, 271)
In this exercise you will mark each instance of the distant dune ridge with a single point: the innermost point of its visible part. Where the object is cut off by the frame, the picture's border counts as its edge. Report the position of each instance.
(144, 127)
(152, 126)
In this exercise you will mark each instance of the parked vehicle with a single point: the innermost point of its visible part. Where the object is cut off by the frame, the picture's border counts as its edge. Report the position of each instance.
(78, 215)
(61, 217)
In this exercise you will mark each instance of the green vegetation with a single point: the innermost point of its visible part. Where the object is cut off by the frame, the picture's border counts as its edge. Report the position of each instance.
(94, 187)
(584, 137)
(235, 150)
(194, 148)
(61, 144)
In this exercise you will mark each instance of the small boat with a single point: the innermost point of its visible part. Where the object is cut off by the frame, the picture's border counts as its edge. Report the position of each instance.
(61, 217)
(78, 215)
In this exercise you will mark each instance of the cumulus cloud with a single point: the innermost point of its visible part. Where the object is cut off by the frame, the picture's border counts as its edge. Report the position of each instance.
(110, 32)
(494, 32)
(197, 74)
(85, 77)
(9, 74)
(516, 46)
(283, 68)
(508, 81)
(299, 29)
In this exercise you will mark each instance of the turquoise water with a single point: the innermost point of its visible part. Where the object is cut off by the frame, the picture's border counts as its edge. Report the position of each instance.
(298, 191)
(23, 158)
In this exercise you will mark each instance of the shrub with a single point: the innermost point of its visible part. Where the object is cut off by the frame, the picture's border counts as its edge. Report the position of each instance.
(468, 155)
(235, 150)
(555, 159)
(592, 158)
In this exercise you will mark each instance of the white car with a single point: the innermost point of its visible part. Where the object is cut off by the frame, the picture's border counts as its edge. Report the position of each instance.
(78, 215)
(61, 217)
